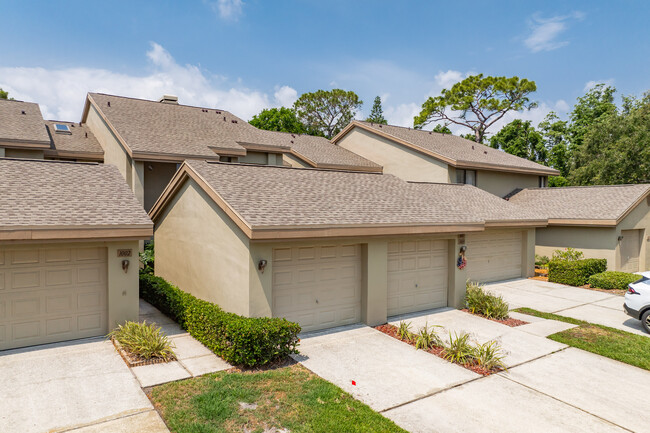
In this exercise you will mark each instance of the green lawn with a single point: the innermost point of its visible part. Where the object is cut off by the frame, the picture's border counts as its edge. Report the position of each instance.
(292, 398)
(613, 343)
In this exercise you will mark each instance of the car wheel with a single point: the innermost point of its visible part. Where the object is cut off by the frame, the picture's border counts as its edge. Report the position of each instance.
(645, 320)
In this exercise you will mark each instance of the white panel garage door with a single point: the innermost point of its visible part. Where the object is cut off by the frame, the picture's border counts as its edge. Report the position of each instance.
(630, 250)
(417, 276)
(49, 295)
(494, 255)
(317, 286)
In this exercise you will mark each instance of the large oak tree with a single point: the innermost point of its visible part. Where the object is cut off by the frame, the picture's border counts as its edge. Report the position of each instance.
(327, 111)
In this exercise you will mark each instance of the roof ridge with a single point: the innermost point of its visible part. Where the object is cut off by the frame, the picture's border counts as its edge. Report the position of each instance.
(587, 186)
(412, 129)
(50, 161)
(156, 102)
(243, 164)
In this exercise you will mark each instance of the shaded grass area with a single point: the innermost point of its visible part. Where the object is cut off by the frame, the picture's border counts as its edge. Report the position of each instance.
(290, 398)
(602, 340)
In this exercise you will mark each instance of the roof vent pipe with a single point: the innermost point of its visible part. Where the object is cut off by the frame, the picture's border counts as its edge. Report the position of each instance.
(169, 99)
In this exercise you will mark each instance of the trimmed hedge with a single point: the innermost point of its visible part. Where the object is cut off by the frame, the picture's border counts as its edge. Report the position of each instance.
(576, 272)
(238, 340)
(613, 280)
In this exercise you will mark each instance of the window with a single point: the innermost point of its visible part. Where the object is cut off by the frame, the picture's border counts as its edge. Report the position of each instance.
(542, 181)
(62, 128)
(466, 176)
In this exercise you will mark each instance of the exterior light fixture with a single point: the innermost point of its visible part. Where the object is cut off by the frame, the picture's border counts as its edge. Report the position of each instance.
(261, 265)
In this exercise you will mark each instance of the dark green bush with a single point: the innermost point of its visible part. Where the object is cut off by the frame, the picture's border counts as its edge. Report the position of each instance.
(238, 340)
(576, 272)
(612, 280)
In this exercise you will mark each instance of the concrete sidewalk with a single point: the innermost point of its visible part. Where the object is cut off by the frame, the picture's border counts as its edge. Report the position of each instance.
(583, 304)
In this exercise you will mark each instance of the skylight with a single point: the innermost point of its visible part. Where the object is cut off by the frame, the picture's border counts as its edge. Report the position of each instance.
(61, 127)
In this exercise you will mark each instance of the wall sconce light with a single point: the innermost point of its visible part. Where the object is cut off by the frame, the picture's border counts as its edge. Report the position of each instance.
(150, 167)
(620, 238)
(261, 265)
(463, 248)
(125, 266)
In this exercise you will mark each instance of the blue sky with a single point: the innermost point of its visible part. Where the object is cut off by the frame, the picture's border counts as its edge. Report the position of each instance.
(245, 55)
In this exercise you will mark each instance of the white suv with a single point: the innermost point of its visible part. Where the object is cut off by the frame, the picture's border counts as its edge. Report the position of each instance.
(637, 300)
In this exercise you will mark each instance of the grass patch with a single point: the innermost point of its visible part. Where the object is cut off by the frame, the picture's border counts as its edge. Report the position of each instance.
(602, 340)
(287, 398)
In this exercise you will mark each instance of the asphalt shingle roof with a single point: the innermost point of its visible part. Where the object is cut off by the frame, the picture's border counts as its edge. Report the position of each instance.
(608, 202)
(471, 199)
(464, 152)
(16, 126)
(268, 196)
(79, 140)
(39, 193)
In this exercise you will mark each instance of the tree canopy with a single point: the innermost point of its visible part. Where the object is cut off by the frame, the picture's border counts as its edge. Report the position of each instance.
(520, 138)
(441, 129)
(278, 119)
(4, 94)
(327, 111)
(477, 103)
(377, 113)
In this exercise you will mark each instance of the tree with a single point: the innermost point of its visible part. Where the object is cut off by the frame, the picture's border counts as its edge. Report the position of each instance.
(278, 119)
(441, 129)
(616, 148)
(597, 102)
(327, 111)
(520, 138)
(5, 95)
(377, 113)
(555, 133)
(477, 103)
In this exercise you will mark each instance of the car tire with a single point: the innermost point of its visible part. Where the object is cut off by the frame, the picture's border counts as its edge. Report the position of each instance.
(645, 320)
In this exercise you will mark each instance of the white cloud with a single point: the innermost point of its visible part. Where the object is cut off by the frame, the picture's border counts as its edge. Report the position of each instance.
(545, 32)
(228, 9)
(447, 79)
(285, 96)
(402, 114)
(61, 92)
(591, 84)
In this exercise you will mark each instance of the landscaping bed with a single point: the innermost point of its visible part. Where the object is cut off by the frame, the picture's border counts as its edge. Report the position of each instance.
(134, 360)
(290, 399)
(602, 340)
(438, 350)
(509, 321)
(142, 343)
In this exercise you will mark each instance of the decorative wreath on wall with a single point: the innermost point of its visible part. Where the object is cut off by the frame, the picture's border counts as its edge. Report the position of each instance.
(461, 262)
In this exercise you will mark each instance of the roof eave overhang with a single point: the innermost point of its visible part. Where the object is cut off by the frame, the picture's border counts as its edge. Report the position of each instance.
(513, 223)
(25, 144)
(94, 156)
(172, 158)
(264, 147)
(582, 222)
(86, 233)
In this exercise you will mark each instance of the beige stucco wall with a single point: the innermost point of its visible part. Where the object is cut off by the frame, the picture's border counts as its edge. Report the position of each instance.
(199, 249)
(594, 242)
(156, 177)
(23, 153)
(263, 158)
(501, 183)
(397, 160)
(638, 219)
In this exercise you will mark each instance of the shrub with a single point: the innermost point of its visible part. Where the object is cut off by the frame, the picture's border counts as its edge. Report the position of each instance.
(404, 331)
(490, 356)
(612, 280)
(541, 261)
(480, 301)
(568, 255)
(147, 258)
(575, 273)
(427, 338)
(238, 340)
(459, 349)
(144, 340)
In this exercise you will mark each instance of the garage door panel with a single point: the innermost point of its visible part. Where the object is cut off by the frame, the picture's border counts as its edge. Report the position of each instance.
(417, 276)
(52, 294)
(494, 255)
(317, 286)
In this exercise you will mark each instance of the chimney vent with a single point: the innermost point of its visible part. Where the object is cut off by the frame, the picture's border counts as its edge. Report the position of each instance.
(169, 99)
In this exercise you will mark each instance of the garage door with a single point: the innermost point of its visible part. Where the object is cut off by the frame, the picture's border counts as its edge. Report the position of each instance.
(318, 287)
(630, 250)
(51, 294)
(494, 255)
(417, 276)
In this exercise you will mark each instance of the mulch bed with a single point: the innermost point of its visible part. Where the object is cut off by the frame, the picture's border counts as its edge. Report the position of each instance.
(392, 331)
(134, 360)
(508, 322)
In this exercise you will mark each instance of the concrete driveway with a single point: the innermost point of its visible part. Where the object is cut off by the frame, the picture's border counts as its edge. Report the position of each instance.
(83, 386)
(589, 305)
(549, 387)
